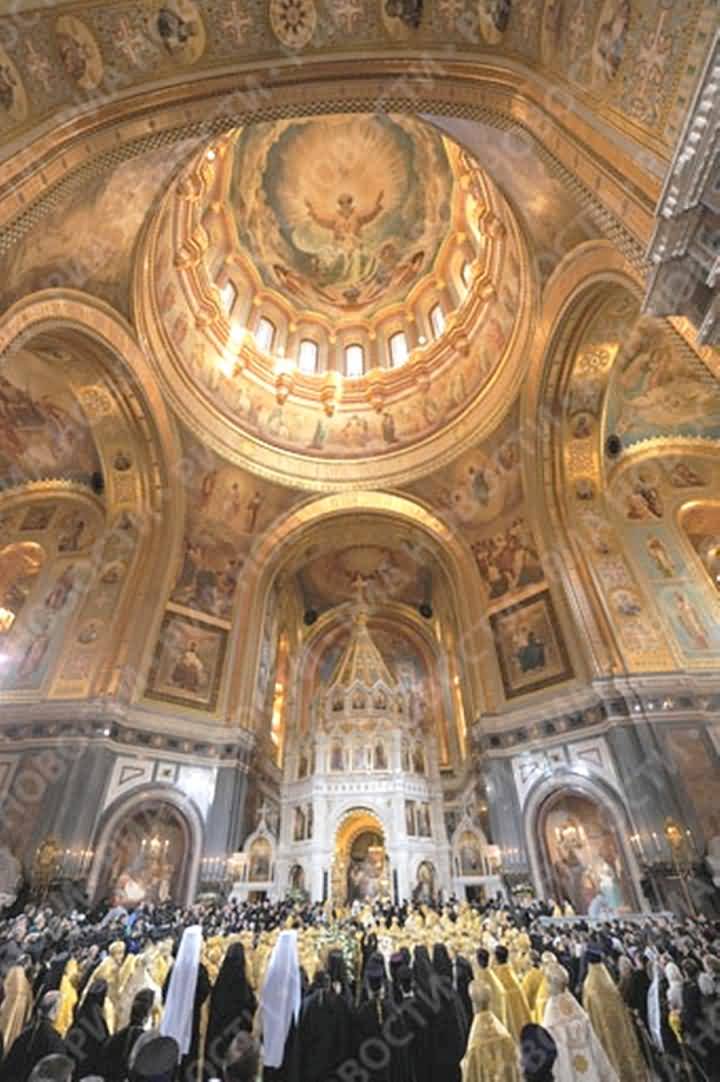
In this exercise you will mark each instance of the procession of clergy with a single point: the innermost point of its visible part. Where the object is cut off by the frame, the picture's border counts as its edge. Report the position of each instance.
(416, 994)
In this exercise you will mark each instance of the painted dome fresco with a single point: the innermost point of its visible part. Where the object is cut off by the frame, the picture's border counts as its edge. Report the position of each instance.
(344, 215)
(347, 297)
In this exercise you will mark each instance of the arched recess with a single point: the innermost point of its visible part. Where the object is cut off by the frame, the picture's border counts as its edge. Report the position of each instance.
(569, 783)
(125, 807)
(276, 548)
(565, 465)
(139, 453)
(663, 496)
(512, 98)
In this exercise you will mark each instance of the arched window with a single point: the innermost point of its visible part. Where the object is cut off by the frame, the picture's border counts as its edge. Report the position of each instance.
(354, 362)
(398, 349)
(308, 356)
(437, 320)
(265, 334)
(467, 274)
(229, 296)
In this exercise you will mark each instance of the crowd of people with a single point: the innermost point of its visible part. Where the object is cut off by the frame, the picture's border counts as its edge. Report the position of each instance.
(413, 993)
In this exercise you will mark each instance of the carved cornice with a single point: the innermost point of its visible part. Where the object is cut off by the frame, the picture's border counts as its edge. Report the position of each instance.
(106, 721)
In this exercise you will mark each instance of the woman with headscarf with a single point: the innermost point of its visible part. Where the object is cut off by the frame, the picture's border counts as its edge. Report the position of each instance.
(279, 1012)
(89, 1032)
(188, 986)
(232, 1007)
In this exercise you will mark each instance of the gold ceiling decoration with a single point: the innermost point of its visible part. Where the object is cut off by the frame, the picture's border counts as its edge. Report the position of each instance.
(329, 324)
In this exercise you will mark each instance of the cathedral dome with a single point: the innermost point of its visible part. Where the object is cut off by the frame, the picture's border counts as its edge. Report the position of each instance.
(337, 298)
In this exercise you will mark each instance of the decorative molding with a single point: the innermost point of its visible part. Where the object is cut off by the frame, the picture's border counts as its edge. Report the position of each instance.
(685, 245)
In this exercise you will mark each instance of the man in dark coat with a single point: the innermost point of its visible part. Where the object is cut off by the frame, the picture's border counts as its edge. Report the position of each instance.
(232, 1007)
(326, 1025)
(118, 1049)
(36, 1041)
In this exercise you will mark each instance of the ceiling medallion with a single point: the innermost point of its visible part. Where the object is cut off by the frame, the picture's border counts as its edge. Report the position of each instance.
(293, 22)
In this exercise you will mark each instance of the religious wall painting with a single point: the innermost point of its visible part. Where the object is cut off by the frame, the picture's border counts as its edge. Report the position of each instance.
(493, 17)
(660, 388)
(146, 857)
(481, 484)
(696, 761)
(20, 565)
(694, 621)
(387, 573)
(98, 226)
(13, 97)
(348, 211)
(508, 560)
(187, 667)
(529, 645)
(610, 39)
(586, 865)
(79, 52)
(367, 877)
(38, 636)
(180, 30)
(38, 518)
(701, 526)
(469, 854)
(402, 19)
(210, 570)
(425, 890)
(43, 431)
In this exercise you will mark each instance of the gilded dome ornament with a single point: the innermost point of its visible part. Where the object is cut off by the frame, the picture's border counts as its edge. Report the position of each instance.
(345, 291)
(293, 22)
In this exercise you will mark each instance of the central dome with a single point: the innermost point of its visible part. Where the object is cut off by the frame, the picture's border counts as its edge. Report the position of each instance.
(349, 294)
(342, 215)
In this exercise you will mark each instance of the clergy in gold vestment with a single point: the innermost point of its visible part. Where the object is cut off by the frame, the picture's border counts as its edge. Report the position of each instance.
(532, 982)
(581, 1057)
(111, 971)
(16, 1007)
(483, 974)
(518, 1012)
(611, 1021)
(491, 1054)
(68, 997)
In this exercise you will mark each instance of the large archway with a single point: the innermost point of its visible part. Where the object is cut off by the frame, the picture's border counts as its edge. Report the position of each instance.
(360, 871)
(147, 849)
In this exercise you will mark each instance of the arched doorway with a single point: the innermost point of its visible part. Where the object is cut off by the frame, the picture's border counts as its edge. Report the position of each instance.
(361, 871)
(583, 857)
(147, 852)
